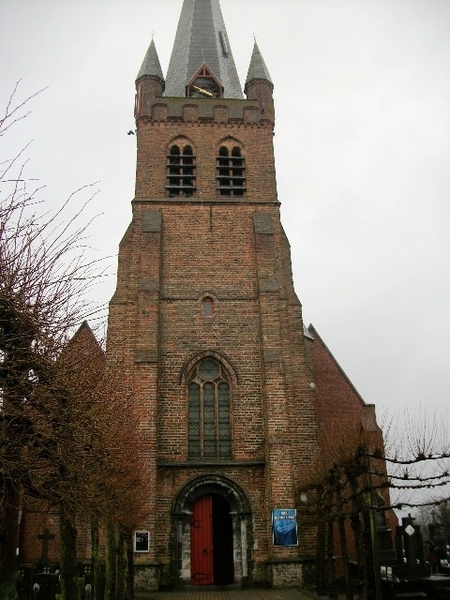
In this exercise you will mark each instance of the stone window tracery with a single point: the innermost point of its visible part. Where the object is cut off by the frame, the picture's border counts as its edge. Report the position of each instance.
(209, 403)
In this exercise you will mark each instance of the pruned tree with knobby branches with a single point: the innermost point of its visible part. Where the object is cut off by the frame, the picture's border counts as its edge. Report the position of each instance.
(87, 462)
(359, 482)
(61, 441)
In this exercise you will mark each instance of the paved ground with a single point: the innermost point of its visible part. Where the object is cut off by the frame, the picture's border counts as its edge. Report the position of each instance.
(233, 594)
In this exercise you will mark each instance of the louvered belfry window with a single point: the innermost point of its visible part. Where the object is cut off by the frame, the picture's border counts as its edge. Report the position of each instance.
(230, 172)
(180, 171)
(209, 412)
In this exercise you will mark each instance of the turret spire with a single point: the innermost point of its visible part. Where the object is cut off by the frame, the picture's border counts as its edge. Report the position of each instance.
(202, 62)
(257, 68)
(259, 86)
(151, 65)
(149, 82)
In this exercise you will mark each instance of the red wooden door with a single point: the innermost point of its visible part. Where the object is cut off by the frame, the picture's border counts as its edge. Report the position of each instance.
(201, 542)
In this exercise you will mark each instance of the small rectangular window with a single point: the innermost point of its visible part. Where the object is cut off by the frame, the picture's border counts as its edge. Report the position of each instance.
(208, 307)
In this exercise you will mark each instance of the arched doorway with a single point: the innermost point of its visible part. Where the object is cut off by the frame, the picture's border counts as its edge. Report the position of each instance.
(211, 541)
(211, 520)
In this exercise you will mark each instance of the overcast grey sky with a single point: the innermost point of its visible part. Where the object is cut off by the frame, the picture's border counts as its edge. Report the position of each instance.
(362, 93)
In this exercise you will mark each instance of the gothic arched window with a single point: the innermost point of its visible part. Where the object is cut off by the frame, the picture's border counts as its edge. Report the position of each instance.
(180, 171)
(209, 402)
(230, 172)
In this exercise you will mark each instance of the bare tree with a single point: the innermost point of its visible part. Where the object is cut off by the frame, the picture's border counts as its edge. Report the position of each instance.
(86, 443)
(68, 436)
(43, 277)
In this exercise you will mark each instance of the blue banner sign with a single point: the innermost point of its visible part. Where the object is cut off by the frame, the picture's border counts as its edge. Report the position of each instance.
(284, 521)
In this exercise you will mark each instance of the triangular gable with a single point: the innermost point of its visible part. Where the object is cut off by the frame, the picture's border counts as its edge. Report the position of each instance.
(84, 342)
(317, 337)
(340, 406)
(204, 83)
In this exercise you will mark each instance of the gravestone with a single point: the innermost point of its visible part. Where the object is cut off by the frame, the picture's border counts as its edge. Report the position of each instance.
(45, 586)
(43, 565)
(410, 550)
(25, 581)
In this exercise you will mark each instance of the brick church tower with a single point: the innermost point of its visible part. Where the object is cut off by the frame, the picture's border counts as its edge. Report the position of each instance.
(208, 326)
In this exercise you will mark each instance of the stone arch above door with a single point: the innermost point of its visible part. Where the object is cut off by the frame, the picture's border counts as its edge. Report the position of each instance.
(211, 484)
(241, 516)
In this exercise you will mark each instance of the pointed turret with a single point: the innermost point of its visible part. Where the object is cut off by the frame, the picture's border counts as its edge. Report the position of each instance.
(259, 86)
(149, 82)
(257, 68)
(151, 65)
(202, 63)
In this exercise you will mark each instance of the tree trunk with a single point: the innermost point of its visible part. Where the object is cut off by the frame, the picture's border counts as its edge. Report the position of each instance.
(129, 570)
(375, 565)
(321, 563)
(110, 563)
(67, 554)
(8, 540)
(120, 564)
(96, 566)
(360, 550)
(345, 560)
(330, 561)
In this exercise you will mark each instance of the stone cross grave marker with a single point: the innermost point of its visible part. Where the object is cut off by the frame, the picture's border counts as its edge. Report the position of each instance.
(45, 536)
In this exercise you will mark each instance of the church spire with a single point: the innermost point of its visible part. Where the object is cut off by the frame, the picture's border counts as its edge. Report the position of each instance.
(202, 62)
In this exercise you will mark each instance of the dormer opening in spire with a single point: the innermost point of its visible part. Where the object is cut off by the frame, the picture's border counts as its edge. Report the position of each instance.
(204, 84)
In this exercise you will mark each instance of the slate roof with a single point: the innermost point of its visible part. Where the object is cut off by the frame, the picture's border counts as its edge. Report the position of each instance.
(151, 65)
(257, 68)
(201, 38)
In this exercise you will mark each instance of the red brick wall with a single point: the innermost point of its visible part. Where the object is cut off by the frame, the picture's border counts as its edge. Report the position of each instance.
(36, 517)
(205, 127)
(340, 407)
(256, 330)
